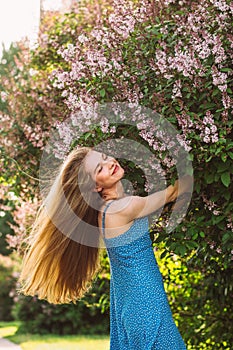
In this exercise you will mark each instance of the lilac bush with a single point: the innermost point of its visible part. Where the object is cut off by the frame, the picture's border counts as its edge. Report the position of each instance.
(178, 63)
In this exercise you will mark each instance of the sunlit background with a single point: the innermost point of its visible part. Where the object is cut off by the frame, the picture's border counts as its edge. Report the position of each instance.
(20, 19)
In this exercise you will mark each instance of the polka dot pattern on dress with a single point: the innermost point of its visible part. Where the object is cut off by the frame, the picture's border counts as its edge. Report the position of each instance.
(140, 316)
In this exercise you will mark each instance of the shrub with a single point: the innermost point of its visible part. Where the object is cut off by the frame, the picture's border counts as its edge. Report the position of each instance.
(8, 278)
(85, 317)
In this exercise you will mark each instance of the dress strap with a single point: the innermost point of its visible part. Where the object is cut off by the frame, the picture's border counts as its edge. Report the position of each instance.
(103, 217)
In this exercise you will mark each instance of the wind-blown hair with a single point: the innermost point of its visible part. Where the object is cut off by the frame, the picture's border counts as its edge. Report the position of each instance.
(56, 266)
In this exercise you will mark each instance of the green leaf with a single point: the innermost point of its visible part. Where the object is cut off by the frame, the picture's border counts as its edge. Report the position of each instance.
(102, 92)
(225, 237)
(229, 146)
(226, 69)
(195, 236)
(217, 219)
(192, 244)
(226, 179)
(227, 195)
(180, 250)
(222, 167)
(87, 135)
(209, 178)
(224, 157)
(215, 92)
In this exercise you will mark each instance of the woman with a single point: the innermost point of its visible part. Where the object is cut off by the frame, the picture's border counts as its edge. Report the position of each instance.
(59, 268)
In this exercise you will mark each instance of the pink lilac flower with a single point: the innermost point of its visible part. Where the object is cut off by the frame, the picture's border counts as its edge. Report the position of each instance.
(72, 101)
(35, 135)
(97, 34)
(65, 133)
(226, 100)
(168, 2)
(67, 53)
(184, 142)
(65, 93)
(147, 136)
(194, 21)
(176, 91)
(212, 244)
(231, 7)
(160, 62)
(221, 19)
(23, 214)
(203, 49)
(182, 61)
(221, 5)
(219, 79)
(3, 96)
(77, 71)
(61, 79)
(209, 131)
(230, 223)
(82, 38)
(209, 204)
(104, 124)
(218, 49)
(185, 122)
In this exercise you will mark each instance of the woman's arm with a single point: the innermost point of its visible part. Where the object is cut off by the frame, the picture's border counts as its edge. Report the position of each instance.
(135, 207)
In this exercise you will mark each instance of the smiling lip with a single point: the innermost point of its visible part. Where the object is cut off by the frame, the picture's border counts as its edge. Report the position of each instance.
(115, 169)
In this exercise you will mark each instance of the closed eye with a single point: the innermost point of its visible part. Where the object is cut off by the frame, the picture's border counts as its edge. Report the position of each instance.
(99, 167)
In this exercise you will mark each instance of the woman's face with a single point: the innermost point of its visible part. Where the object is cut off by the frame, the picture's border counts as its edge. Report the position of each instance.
(104, 170)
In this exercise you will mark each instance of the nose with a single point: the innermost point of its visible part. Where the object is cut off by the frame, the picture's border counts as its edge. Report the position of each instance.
(110, 162)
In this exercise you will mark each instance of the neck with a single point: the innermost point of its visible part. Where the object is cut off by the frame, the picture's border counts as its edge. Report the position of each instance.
(115, 192)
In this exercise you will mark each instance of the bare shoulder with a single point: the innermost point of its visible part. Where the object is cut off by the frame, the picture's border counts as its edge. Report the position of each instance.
(119, 210)
(115, 221)
(122, 206)
(116, 213)
(116, 208)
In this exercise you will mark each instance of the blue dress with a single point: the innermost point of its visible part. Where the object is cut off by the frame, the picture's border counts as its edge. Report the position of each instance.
(140, 316)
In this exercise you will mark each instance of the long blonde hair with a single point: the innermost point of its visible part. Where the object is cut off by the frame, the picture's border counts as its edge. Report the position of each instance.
(57, 266)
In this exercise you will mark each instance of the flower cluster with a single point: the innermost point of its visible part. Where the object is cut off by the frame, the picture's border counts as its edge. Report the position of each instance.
(24, 215)
(209, 204)
(98, 54)
(3, 96)
(219, 79)
(209, 131)
(230, 223)
(35, 135)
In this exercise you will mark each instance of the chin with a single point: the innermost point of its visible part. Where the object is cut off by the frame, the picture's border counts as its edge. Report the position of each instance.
(122, 172)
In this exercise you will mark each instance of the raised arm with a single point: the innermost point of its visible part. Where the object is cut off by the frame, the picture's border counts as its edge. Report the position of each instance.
(135, 207)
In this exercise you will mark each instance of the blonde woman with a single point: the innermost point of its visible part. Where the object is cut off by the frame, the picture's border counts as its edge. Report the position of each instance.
(59, 268)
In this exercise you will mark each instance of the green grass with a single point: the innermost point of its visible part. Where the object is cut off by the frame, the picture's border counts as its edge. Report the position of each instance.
(52, 342)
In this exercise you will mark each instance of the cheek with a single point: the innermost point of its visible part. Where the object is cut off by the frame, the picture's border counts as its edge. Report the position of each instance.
(102, 177)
